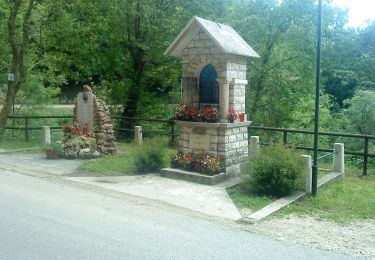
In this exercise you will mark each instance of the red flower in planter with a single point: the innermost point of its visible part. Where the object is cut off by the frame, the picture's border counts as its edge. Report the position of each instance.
(188, 157)
(232, 115)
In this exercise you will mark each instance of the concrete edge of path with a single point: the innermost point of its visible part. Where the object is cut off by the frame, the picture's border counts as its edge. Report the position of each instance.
(2, 151)
(115, 194)
(285, 201)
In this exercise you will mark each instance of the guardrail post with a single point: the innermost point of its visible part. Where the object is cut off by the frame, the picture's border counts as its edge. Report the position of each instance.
(365, 157)
(173, 137)
(254, 146)
(46, 135)
(307, 170)
(138, 135)
(27, 134)
(338, 158)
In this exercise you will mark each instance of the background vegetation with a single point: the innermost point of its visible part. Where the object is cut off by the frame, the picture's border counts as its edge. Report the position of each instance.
(117, 47)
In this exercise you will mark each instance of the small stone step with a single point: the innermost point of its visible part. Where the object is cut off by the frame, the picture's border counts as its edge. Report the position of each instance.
(179, 174)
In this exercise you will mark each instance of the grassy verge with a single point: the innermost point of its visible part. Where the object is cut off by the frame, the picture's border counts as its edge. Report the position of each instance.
(346, 200)
(349, 199)
(122, 164)
(16, 140)
(245, 198)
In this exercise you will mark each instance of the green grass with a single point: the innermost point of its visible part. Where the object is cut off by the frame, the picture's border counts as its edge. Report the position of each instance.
(245, 198)
(122, 164)
(13, 140)
(349, 199)
(17, 140)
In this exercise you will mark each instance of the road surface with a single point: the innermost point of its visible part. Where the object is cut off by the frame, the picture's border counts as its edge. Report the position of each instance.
(50, 219)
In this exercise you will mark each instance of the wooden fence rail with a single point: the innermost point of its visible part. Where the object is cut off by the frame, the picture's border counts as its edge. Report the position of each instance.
(173, 133)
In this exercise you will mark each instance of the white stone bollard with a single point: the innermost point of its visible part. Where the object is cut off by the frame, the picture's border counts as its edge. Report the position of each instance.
(307, 170)
(254, 146)
(138, 135)
(338, 158)
(46, 135)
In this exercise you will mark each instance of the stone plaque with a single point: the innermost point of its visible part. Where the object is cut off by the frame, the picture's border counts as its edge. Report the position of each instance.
(198, 141)
(199, 130)
(85, 109)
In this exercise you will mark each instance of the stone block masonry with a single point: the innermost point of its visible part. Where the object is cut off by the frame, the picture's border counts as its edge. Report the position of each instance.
(99, 119)
(229, 140)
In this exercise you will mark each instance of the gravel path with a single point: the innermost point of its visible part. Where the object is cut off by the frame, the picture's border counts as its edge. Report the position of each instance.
(356, 238)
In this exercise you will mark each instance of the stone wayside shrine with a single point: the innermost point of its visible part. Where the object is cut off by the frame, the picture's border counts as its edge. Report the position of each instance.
(214, 59)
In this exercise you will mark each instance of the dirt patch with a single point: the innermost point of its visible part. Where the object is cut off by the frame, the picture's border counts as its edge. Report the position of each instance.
(356, 238)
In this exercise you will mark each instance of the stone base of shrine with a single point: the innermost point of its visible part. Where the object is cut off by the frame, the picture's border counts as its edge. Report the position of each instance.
(196, 177)
(228, 140)
(179, 174)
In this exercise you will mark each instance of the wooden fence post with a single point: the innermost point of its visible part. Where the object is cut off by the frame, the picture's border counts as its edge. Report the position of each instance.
(173, 138)
(365, 156)
(27, 134)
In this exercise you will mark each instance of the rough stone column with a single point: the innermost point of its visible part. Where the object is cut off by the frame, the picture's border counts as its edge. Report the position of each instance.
(307, 170)
(46, 135)
(338, 158)
(138, 135)
(223, 99)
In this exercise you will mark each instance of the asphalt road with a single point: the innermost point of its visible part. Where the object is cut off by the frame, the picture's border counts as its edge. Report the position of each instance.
(44, 219)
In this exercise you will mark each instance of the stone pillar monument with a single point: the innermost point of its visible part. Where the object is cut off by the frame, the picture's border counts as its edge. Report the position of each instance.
(214, 56)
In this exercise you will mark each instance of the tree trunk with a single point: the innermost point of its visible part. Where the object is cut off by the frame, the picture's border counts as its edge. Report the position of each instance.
(18, 48)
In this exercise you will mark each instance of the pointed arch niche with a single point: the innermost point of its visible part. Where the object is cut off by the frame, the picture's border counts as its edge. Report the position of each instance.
(208, 86)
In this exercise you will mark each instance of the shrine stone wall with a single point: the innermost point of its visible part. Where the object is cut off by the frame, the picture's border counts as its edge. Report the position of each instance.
(202, 51)
(230, 141)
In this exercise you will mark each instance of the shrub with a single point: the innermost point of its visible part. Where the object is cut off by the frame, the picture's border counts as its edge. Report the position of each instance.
(150, 157)
(276, 171)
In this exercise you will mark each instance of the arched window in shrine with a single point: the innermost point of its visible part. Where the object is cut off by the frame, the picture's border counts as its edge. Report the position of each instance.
(208, 86)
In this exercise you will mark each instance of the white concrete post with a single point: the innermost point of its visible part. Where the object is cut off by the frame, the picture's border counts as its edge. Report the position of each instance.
(46, 135)
(338, 158)
(223, 99)
(138, 135)
(254, 146)
(307, 170)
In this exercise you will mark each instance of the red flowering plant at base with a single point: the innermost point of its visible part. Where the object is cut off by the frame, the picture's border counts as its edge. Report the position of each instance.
(203, 163)
(75, 144)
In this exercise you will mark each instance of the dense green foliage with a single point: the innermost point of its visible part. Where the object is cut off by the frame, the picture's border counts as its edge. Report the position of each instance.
(150, 156)
(117, 47)
(276, 171)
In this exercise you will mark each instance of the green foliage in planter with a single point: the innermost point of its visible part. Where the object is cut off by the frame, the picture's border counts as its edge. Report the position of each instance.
(150, 157)
(276, 171)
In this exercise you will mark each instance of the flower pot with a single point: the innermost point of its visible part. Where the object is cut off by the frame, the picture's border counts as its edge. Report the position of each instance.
(51, 154)
(231, 120)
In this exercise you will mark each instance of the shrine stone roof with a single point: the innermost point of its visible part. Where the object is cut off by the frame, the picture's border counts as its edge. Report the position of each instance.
(225, 37)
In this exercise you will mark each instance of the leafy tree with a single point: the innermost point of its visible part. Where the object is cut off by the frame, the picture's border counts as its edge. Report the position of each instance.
(361, 112)
(18, 37)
